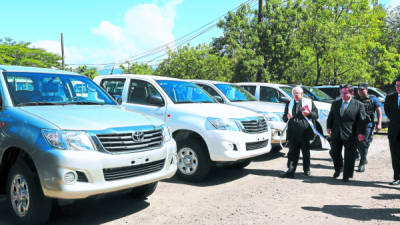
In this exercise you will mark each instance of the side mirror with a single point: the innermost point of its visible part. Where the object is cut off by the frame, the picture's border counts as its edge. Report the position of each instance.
(219, 99)
(156, 100)
(284, 99)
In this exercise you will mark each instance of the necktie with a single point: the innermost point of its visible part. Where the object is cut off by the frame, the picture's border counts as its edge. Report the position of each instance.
(343, 108)
(398, 101)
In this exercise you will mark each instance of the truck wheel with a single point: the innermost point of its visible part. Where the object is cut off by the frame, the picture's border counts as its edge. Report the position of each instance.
(194, 163)
(241, 164)
(25, 198)
(144, 191)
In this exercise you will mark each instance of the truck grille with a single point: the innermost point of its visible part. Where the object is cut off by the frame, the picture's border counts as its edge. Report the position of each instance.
(254, 126)
(132, 171)
(128, 142)
(256, 145)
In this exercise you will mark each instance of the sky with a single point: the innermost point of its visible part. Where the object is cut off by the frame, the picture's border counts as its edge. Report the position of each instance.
(105, 31)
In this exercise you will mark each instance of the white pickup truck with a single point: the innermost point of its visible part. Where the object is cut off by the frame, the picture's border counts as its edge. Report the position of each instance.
(206, 132)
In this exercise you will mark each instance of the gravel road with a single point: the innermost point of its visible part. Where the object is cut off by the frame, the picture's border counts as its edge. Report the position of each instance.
(254, 195)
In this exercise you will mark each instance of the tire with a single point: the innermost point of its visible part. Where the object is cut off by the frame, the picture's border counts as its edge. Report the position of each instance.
(194, 164)
(34, 208)
(143, 191)
(241, 164)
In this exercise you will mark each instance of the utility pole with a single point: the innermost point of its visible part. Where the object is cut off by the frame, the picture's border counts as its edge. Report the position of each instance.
(62, 51)
(260, 15)
(260, 6)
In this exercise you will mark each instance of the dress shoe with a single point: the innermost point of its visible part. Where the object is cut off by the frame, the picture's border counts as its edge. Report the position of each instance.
(395, 182)
(307, 173)
(287, 175)
(361, 168)
(347, 179)
(337, 173)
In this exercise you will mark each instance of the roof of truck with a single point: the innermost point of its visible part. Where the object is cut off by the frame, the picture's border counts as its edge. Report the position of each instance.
(6, 68)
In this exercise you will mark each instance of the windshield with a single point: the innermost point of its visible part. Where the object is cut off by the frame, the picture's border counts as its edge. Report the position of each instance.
(317, 93)
(235, 93)
(54, 89)
(184, 92)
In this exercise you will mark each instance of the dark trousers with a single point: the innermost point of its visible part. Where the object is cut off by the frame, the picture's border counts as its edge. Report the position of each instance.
(394, 144)
(363, 146)
(350, 150)
(294, 153)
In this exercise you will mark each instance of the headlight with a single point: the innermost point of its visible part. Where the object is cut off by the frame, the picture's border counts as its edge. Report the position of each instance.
(224, 124)
(68, 140)
(166, 134)
(273, 116)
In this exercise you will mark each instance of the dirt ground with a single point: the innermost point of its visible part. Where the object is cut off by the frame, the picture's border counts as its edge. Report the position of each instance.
(254, 195)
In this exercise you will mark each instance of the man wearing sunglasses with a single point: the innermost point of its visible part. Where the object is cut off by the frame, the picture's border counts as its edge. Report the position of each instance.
(392, 110)
(371, 105)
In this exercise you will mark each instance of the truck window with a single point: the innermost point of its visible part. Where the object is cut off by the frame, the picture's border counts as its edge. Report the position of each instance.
(113, 86)
(251, 89)
(141, 91)
(268, 94)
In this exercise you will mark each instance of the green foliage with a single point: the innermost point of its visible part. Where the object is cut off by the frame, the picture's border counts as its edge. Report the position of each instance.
(196, 63)
(136, 68)
(89, 72)
(20, 54)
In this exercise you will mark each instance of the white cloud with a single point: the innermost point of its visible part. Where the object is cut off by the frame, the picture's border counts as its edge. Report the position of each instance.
(145, 26)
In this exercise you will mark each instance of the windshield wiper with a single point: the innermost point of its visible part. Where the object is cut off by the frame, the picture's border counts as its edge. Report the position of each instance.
(86, 103)
(206, 102)
(39, 103)
(239, 100)
(184, 102)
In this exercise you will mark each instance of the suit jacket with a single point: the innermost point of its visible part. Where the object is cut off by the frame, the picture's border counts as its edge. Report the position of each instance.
(352, 123)
(295, 126)
(393, 113)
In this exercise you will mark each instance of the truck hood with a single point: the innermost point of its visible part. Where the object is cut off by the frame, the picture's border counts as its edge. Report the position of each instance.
(261, 106)
(90, 117)
(215, 110)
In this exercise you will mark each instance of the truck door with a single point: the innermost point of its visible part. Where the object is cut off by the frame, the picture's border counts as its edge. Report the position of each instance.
(144, 97)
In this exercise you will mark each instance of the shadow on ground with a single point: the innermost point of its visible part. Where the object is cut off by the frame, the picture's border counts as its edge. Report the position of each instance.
(89, 211)
(358, 213)
(387, 197)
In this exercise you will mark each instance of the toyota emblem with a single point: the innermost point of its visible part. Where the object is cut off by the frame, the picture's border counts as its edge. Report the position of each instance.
(137, 136)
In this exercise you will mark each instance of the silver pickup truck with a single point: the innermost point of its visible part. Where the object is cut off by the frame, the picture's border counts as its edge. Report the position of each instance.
(63, 137)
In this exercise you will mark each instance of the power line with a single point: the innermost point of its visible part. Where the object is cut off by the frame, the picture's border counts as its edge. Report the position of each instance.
(177, 42)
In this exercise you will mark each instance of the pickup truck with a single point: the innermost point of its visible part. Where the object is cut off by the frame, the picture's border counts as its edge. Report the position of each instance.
(207, 133)
(233, 94)
(63, 137)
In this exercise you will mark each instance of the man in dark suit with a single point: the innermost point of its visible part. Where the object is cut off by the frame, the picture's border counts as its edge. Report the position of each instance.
(299, 114)
(392, 110)
(346, 120)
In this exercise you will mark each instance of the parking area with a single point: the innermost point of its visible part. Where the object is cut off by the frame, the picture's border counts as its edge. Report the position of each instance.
(255, 195)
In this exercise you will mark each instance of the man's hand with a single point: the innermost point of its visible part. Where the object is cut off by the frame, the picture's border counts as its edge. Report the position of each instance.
(329, 131)
(289, 116)
(378, 127)
(305, 113)
(361, 137)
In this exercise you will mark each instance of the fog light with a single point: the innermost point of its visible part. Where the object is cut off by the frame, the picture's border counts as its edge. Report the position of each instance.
(230, 146)
(70, 177)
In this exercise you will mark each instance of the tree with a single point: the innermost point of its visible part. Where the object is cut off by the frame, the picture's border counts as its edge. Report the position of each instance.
(20, 54)
(136, 68)
(89, 72)
(196, 63)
